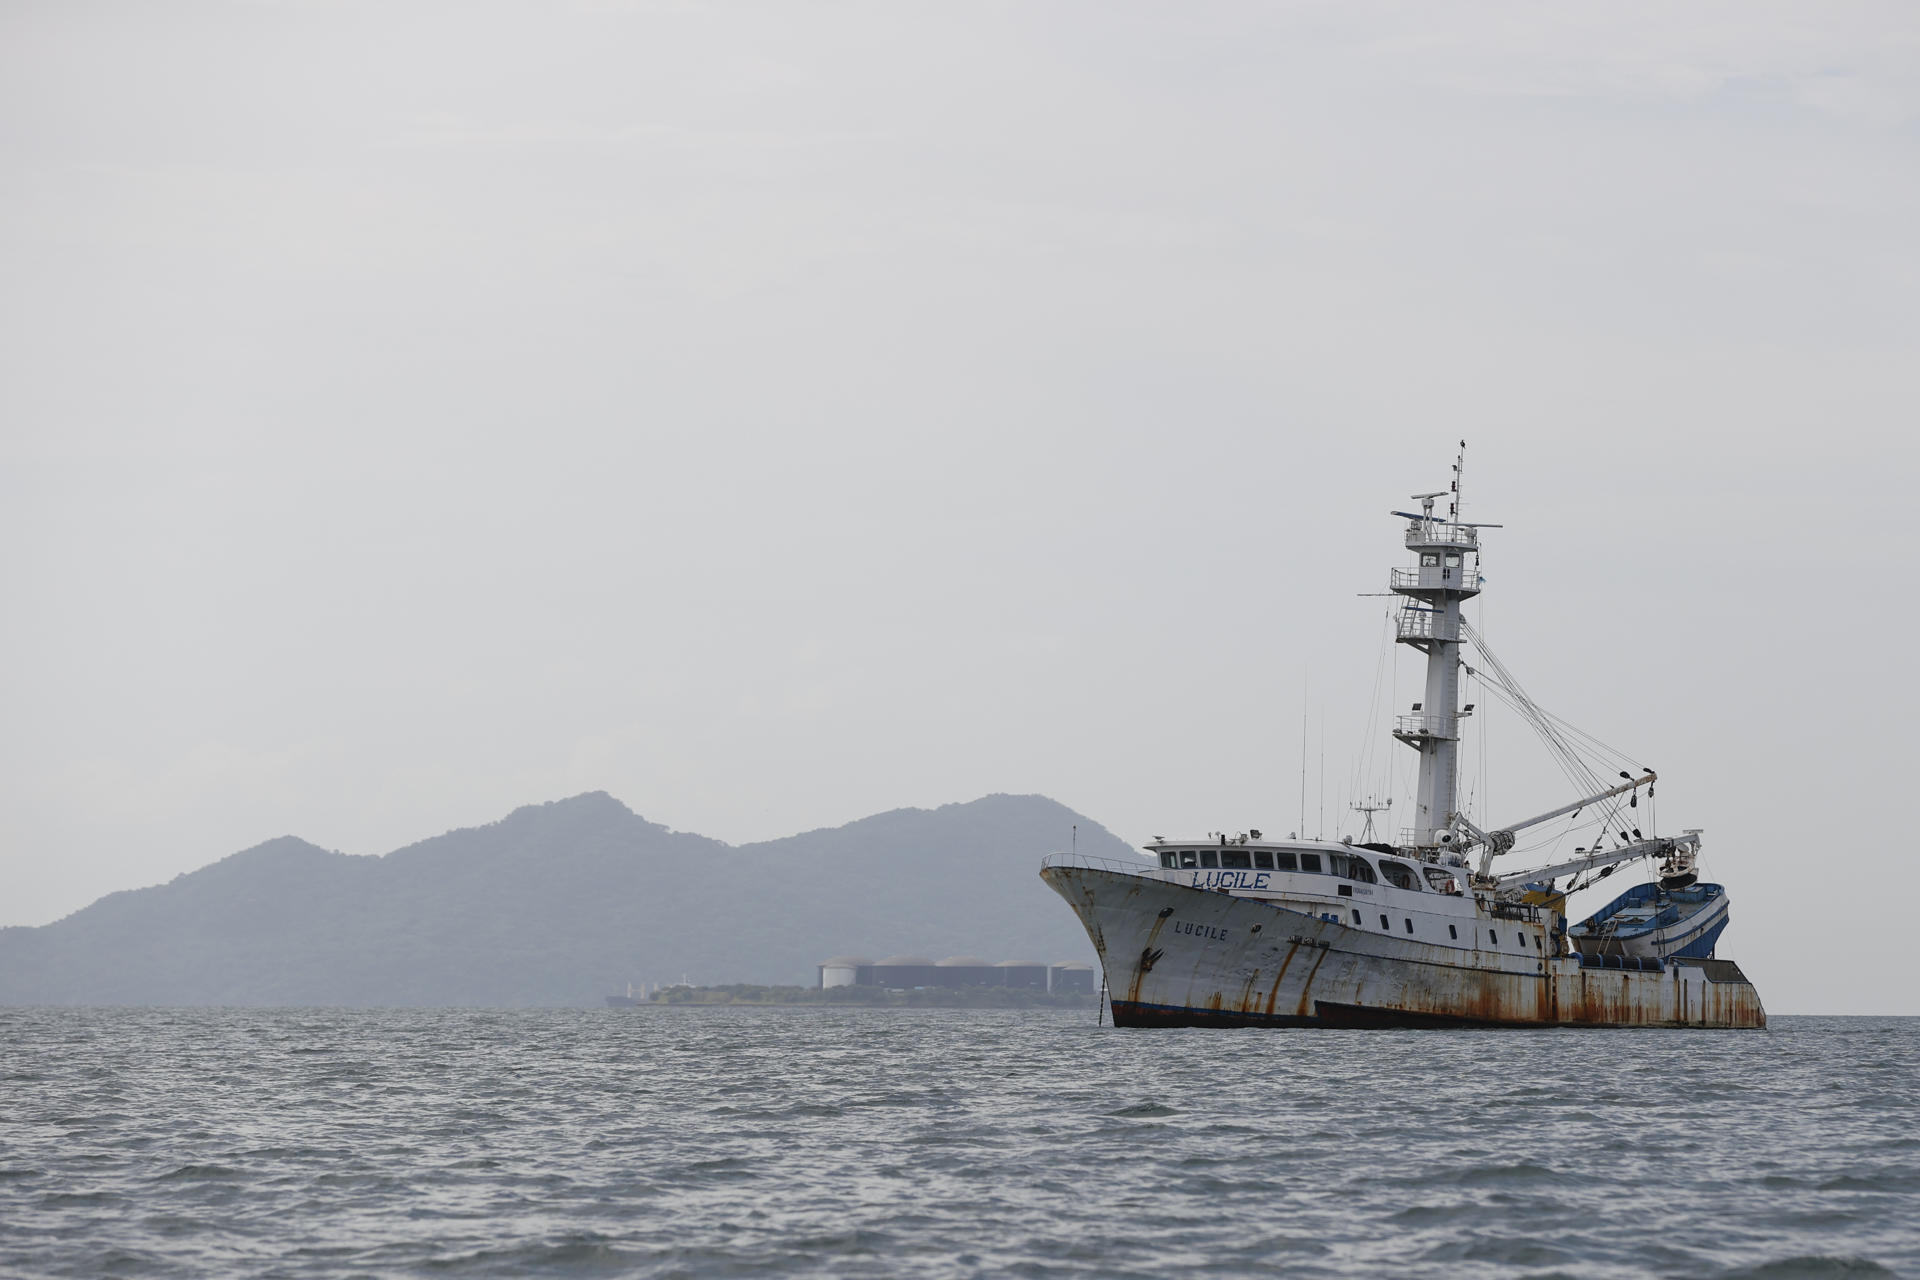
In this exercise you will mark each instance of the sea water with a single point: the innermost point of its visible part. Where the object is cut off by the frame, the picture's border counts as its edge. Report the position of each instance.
(711, 1142)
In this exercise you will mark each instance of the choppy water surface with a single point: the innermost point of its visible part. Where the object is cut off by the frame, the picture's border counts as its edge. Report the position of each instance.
(713, 1142)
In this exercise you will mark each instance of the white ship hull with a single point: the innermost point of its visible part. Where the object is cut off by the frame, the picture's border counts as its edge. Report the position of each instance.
(1174, 955)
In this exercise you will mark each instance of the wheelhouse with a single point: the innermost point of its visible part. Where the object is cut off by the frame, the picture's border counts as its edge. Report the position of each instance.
(1340, 862)
(1376, 888)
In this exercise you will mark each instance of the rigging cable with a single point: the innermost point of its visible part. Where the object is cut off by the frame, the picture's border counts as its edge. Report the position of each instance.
(1568, 745)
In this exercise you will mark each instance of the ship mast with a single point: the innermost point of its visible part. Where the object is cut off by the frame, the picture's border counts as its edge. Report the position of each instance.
(1446, 573)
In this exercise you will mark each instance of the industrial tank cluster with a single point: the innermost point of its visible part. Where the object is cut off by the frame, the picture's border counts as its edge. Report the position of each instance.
(903, 972)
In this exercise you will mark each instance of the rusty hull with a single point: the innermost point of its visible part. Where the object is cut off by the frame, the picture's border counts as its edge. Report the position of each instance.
(1179, 956)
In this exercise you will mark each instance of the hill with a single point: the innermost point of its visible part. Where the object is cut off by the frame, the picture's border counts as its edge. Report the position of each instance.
(560, 903)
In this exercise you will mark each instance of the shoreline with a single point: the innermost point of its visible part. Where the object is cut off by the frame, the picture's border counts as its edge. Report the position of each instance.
(753, 996)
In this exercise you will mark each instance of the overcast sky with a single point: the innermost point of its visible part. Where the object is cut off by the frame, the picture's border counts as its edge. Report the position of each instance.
(774, 414)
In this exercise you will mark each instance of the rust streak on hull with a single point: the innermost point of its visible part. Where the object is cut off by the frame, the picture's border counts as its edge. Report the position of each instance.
(1143, 965)
(1307, 986)
(1273, 993)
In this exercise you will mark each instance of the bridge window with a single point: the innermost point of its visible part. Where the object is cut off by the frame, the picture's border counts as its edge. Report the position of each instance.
(1208, 858)
(1168, 861)
(1236, 859)
(1399, 875)
(1353, 867)
(1284, 861)
(1310, 862)
(1187, 859)
(1262, 860)
(1429, 560)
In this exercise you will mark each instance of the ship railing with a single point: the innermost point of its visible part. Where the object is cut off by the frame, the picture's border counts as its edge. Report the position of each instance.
(1642, 964)
(1439, 533)
(1127, 866)
(1426, 726)
(1445, 578)
(1418, 624)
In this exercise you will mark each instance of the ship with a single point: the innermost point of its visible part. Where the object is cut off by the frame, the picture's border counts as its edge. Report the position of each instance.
(1437, 927)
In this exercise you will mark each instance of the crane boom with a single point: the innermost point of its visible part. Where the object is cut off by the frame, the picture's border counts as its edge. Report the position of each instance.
(1499, 840)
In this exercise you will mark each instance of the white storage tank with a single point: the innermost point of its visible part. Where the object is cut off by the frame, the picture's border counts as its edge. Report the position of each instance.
(841, 971)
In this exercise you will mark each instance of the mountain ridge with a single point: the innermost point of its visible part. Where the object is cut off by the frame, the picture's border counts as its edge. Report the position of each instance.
(557, 903)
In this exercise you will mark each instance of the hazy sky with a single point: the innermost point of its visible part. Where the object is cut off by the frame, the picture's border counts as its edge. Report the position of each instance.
(772, 414)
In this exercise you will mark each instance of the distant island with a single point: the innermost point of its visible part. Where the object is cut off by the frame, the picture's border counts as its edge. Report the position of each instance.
(557, 904)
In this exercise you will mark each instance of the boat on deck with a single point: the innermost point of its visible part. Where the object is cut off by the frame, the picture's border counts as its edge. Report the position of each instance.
(1651, 920)
(1243, 930)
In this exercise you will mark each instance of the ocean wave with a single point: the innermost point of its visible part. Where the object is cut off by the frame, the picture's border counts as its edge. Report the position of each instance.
(945, 1144)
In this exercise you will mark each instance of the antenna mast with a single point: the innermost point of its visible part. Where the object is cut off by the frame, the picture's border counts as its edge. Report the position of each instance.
(1303, 755)
(1370, 806)
(1446, 573)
